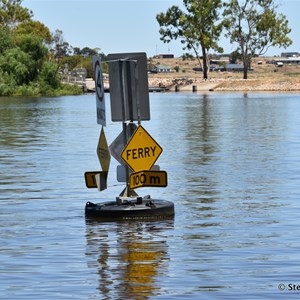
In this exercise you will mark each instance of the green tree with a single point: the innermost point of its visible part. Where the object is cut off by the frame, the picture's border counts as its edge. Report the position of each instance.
(7, 83)
(24, 59)
(12, 13)
(35, 28)
(6, 40)
(19, 64)
(60, 47)
(48, 76)
(86, 51)
(32, 45)
(198, 27)
(255, 26)
(25, 68)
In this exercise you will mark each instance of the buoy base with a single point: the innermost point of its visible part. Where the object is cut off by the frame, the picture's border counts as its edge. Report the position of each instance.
(127, 209)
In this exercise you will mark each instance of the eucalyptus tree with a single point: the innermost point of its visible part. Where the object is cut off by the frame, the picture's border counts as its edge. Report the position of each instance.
(12, 13)
(60, 48)
(255, 26)
(198, 27)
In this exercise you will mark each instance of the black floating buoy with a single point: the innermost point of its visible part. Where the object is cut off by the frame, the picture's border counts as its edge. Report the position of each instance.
(126, 209)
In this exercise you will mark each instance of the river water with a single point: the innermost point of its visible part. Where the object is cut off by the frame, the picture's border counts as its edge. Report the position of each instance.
(233, 163)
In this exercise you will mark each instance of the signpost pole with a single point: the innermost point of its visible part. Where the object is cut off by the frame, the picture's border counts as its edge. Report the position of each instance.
(123, 95)
(138, 102)
(125, 81)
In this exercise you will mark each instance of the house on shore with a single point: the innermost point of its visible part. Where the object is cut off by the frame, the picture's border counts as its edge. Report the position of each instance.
(161, 69)
(234, 67)
(222, 68)
(164, 56)
(290, 54)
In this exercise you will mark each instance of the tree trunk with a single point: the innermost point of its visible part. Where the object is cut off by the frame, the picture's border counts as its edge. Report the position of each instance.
(205, 67)
(245, 62)
(245, 72)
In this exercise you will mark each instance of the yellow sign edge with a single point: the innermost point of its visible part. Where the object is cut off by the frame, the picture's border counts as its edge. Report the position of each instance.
(103, 163)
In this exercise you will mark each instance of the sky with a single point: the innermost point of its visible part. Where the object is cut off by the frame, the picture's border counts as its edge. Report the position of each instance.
(121, 26)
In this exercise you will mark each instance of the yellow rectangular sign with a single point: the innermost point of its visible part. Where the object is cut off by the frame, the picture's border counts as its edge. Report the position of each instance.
(148, 179)
(90, 179)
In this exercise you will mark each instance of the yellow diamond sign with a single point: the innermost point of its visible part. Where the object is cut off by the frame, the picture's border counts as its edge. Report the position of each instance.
(103, 152)
(141, 151)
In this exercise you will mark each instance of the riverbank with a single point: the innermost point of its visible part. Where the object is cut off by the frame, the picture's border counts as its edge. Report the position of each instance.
(189, 84)
(233, 84)
(264, 77)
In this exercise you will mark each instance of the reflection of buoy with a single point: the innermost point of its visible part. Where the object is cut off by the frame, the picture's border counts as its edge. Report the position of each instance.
(131, 209)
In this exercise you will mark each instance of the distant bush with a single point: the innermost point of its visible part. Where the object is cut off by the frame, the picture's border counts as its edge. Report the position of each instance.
(27, 90)
(68, 89)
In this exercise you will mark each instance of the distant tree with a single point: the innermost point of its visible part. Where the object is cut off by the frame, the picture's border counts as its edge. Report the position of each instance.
(255, 26)
(86, 51)
(187, 56)
(6, 40)
(235, 56)
(12, 13)
(76, 51)
(198, 27)
(72, 61)
(35, 28)
(60, 47)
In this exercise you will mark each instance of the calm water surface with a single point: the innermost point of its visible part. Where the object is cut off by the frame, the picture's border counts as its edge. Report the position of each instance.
(233, 163)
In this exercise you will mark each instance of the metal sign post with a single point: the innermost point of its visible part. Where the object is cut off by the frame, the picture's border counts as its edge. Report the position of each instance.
(127, 112)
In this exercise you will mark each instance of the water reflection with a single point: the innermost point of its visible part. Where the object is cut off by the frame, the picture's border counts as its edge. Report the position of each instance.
(129, 258)
(235, 143)
(40, 139)
(26, 121)
(230, 184)
(202, 148)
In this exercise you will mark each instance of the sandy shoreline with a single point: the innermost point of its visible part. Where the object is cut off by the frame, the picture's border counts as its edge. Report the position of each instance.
(219, 84)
